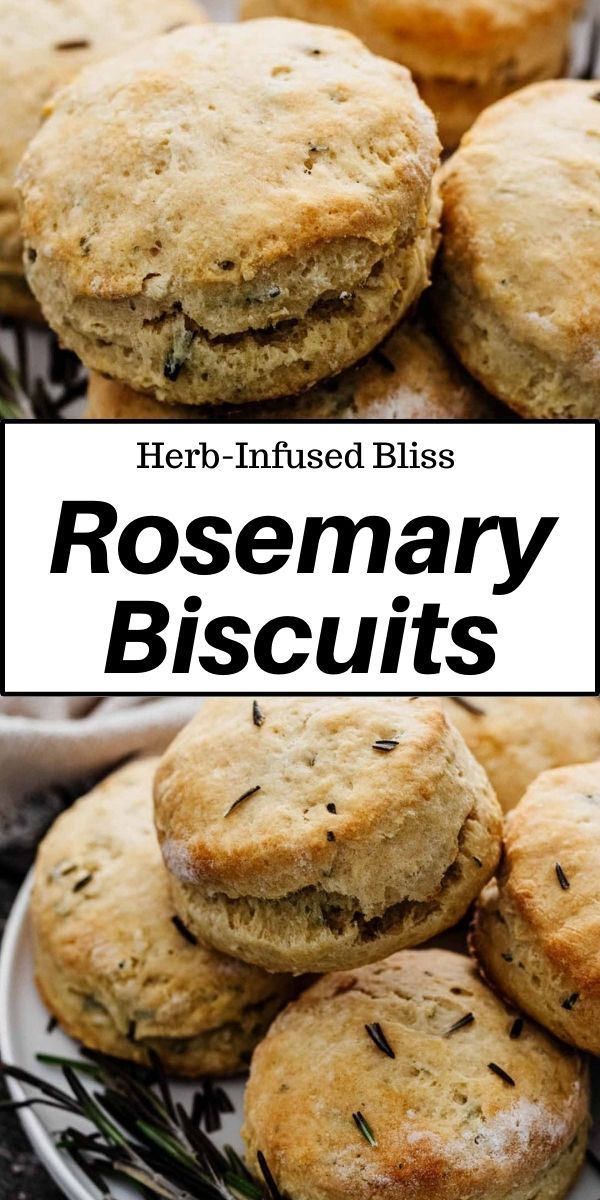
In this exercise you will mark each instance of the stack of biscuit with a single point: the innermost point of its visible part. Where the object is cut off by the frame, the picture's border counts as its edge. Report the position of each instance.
(243, 219)
(294, 836)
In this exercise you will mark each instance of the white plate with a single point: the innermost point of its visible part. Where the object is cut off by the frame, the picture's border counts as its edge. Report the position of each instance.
(24, 1033)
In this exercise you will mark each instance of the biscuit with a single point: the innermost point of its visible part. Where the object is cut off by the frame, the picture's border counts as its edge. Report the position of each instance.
(43, 44)
(409, 377)
(463, 55)
(233, 213)
(518, 290)
(327, 835)
(515, 738)
(335, 1115)
(113, 966)
(537, 927)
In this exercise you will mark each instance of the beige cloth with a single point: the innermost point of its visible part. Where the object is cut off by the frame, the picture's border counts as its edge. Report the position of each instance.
(57, 740)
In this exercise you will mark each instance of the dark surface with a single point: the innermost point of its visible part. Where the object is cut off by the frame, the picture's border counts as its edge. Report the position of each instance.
(21, 1176)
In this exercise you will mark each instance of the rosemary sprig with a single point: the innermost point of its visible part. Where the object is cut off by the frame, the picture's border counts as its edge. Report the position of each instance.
(10, 405)
(136, 1131)
(24, 397)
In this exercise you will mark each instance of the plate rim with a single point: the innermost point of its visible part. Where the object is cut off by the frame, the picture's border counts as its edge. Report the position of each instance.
(39, 1137)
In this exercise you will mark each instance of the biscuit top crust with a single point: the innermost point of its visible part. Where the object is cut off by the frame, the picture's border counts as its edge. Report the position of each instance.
(218, 150)
(517, 737)
(558, 822)
(530, 250)
(43, 44)
(446, 1126)
(322, 805)
(465, 24)
(103, 914)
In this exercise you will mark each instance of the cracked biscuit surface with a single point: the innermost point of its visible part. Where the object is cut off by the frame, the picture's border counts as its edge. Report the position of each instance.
(328, 834)
(463, 54)
(517, 293)
(445, 1126)
(232, 213)
(111, 964)
(409, 377)
(43, 44)
(536, 931)
(515, 738)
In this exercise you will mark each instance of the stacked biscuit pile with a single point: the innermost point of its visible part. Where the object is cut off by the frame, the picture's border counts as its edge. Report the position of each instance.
(332, 837)
(248, 214)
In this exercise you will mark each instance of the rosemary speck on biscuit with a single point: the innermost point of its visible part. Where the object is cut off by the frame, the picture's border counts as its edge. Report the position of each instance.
(386, 745)
(246, 796)
(75, 44)
(378, 1037)
(516, 1028)
(570, 1002)
(258, 715)
(468, 705)
(363, 1127)
(82, 883)
(562, 878)
(184, 931)
(501, 1073)
(462, 1023)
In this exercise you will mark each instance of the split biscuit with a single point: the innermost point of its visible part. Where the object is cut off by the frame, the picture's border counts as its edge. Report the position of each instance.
(409, 377)
(233, 212)
(323, 833)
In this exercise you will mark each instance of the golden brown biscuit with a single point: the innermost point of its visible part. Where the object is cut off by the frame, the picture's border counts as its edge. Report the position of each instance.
(326, 835)
(42, 46)
(114, 966)
(232, 213)
(518, 291)
(336, 1116)
(515, 738)
(464, 54)
(537, 927)
(409, 377)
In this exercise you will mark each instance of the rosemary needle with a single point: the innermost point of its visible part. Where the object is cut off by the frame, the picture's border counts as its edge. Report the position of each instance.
(377, 1036)
(246, 796)
(460, 1024)
(363, 1127)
